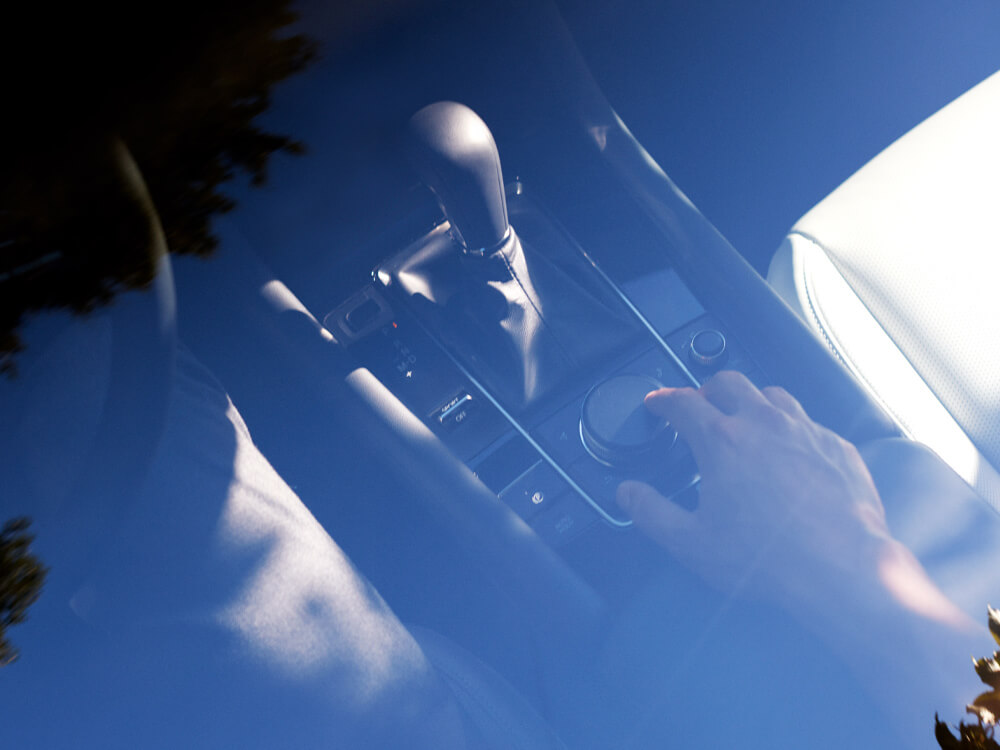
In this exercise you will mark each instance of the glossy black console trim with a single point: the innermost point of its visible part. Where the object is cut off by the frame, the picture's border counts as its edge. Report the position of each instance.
(523, 431)
(383, 279)
(646, 324)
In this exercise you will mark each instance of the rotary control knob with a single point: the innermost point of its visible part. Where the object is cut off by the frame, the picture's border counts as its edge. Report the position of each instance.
(615, 426)
(708, 347)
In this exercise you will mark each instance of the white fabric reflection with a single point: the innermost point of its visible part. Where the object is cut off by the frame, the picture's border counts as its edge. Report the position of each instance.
(219, 614)
(912, 237)
(303, 609)
(805, 277)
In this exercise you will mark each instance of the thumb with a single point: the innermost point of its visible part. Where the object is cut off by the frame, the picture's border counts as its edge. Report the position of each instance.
(654, 515)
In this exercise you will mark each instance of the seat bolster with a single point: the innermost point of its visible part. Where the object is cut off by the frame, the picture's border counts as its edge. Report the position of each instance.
(803, 275)
(896, 270)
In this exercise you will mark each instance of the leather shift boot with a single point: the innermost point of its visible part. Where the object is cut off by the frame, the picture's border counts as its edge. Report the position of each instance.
(520, 321)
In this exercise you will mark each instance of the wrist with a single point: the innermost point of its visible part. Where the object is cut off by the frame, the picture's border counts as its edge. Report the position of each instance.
(903, 577)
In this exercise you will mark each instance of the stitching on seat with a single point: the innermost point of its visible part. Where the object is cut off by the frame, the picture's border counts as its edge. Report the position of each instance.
(816, 318)
(842, 357)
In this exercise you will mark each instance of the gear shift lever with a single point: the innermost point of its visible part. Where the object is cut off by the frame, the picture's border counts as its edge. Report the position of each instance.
(456, 156)
(523, 313)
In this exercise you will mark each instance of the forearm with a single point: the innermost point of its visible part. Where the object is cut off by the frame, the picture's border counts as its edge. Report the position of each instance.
(909, 646)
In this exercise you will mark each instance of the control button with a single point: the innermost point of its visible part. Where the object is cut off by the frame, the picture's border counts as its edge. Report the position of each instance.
(358, 316)
(560, 434)
(615, 426)
(733, 357)
(707, 347)
(534, 491)
(565, 522)
(456, 411)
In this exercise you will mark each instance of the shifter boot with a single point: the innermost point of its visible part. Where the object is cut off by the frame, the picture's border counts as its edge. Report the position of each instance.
(522, 322)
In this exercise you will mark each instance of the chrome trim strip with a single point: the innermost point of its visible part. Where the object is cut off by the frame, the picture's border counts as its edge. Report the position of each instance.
(456, 404)
(517, 425)
(534, 444)
(519, 477)
(601, 461)
(642, 319)
(482, 252)
(711, 359)
(586, 447)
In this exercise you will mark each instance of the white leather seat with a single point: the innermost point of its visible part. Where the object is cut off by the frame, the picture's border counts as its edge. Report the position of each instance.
(897, 272)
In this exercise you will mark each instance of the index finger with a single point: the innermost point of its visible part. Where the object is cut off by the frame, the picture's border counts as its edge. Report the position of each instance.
(731, 392)
(690, 413)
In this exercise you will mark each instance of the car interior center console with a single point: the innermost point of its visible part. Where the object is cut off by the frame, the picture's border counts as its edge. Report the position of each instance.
(521, 353)
(494, 363)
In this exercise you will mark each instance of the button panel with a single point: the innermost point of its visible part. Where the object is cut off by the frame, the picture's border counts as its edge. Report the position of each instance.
(563, 523)
(543, 494)
(538, 489)
(561, 436)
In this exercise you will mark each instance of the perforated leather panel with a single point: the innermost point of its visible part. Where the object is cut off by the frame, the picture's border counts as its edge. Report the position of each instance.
(915, 235)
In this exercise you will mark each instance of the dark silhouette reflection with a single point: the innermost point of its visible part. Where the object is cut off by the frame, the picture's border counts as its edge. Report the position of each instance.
(204, 606)
(21, 578)
(181, 88)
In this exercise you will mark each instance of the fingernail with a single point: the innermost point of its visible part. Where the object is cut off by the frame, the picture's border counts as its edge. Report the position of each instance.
(659, 393)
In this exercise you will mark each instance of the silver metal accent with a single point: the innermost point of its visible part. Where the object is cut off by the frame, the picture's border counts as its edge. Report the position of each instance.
(524, 433)
(519, 477)
(695, 478)
(642, 319)
(456, 404)
(586, 447)
(703, 359)
(604, 462)
(531, 441)
(482, 252)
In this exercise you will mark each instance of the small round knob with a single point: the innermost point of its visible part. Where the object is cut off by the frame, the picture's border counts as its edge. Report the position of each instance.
(708, 347)
(615, 426)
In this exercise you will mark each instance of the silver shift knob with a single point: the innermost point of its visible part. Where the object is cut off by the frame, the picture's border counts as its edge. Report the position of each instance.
(456, 156)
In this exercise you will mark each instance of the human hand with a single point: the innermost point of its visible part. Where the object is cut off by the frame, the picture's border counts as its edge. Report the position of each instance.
(787, 508)
(789, 513)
